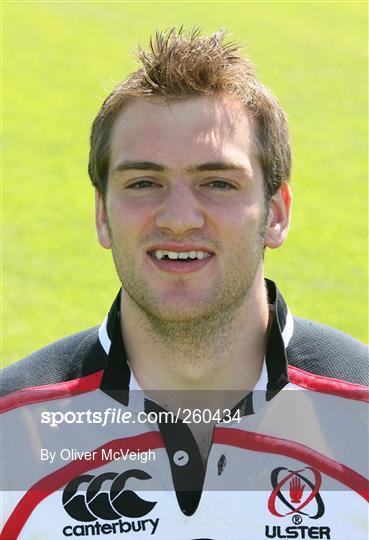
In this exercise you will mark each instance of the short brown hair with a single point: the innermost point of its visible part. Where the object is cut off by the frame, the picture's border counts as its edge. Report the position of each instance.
(180, 65)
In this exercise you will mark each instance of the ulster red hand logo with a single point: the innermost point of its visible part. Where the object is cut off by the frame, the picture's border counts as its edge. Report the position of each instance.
(296, 489)
(297, 484)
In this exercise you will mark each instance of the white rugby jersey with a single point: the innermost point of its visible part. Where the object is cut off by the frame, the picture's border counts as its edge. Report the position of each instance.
(83, 458)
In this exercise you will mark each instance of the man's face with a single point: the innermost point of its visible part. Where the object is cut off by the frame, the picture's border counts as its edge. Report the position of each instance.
(185, 211)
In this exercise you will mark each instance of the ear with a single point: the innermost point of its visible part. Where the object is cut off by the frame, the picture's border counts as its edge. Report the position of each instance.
(101, 221)
(278, 217)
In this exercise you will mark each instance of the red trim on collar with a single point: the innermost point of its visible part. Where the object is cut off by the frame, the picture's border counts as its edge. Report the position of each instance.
(48, 392)
(327, 385)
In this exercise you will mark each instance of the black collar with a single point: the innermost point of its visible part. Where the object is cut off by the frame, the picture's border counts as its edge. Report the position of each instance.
(117, 374)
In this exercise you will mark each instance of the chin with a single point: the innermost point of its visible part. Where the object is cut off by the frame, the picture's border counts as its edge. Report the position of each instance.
(176, 314)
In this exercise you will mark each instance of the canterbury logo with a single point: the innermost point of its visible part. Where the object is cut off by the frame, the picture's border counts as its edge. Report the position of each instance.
(110, 502)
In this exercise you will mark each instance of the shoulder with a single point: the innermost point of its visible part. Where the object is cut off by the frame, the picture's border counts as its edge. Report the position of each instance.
(70, 358)
(321, 350)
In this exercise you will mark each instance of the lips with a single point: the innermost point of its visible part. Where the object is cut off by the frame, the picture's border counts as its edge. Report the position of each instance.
(180, 258)
(162, 254)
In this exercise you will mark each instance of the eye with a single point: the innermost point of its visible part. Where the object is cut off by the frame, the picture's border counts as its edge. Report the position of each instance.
(144, 183)
(220, 184)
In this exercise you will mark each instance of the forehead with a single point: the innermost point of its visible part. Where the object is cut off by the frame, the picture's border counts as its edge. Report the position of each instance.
(181, 133)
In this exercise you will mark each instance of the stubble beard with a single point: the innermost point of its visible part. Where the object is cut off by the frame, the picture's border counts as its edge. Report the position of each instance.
(205, 327)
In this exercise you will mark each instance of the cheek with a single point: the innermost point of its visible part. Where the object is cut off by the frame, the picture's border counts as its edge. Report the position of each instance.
(128, 220)
(241, 232)
(241, 220)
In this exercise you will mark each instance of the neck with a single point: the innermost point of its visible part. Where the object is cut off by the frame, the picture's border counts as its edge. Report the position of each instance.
(225, 352)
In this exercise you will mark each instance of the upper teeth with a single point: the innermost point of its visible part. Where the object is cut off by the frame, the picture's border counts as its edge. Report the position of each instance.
(160, 253)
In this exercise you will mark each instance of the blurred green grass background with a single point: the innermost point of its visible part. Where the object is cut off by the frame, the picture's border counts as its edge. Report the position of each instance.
(60, 59)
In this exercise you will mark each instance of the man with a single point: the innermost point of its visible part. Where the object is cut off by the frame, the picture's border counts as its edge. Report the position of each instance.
(191, 161)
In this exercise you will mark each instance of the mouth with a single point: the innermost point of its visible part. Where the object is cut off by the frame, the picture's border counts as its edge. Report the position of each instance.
(187, 260)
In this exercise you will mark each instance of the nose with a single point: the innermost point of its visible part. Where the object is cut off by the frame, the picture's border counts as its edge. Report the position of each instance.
(181, 211)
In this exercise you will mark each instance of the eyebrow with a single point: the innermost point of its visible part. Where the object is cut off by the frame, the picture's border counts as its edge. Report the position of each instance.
(139, 166)
(152, 166)
(216, 166)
